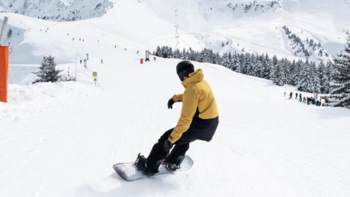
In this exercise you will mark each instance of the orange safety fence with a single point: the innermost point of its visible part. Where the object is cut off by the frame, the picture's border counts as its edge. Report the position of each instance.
(4, 67)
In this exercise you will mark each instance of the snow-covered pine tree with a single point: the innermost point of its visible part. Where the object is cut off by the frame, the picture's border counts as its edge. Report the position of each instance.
(177, 54)
(229, 60)
(242, 63)
(274, 61)
(158, 51)
(328, 74)
(251, 63)
(48, 72)
(247, 63)
(191, 54)
(285, 67)
(201, 57)
(292, 77)
(235, 63)
(258, 66)
(224, 60)
(278, 76)
(266, 67)
(170, 53)
(321, 72)
(304, 80)
(299, 65)
(218, 58)
(213, 58)
(315, 81)
(340, 86)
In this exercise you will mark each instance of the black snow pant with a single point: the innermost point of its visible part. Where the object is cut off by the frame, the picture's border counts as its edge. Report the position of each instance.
(200, 129)
(158, 153)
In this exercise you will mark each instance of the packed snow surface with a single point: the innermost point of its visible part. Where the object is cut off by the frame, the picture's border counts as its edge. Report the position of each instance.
(62, 139)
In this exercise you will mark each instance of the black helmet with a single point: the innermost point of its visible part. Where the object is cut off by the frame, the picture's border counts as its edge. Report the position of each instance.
(184, 68)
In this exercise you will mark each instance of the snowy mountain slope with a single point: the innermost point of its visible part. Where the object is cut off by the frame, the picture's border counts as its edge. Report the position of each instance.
(57, 10)
(259, 30)
(206, 24)
(62, 139)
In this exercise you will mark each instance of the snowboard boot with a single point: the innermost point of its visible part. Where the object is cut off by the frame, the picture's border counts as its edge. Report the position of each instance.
(141, 165)
(174, 166)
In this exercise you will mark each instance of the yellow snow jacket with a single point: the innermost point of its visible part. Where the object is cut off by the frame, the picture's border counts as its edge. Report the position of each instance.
(197, 95)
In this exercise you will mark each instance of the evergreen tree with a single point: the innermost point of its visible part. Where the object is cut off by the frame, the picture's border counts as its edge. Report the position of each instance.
(321, 72)
(218, 58)
(340, 87)
(235, 62)
(274, 61)
(213, 58)
(293, 75)
(229, 61)
(328, 74)
(241, 63)
(247, 63)
(285, 67)
(183, 54)
(278, 76)
(170, 53)
(258, 66)
(48, 72)
(251, 63)
(304, 80)
(299, 66)
(158, 51)
(224, 60)
(266, 67)
(315, 81)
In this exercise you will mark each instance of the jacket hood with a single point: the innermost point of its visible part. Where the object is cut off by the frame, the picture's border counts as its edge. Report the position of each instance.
(196, 76)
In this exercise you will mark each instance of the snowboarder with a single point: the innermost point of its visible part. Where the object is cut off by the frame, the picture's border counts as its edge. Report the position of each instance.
(101, 61)
(198, 121)
(290, 95)
(81, 61)
(300, 97)
(296, 95)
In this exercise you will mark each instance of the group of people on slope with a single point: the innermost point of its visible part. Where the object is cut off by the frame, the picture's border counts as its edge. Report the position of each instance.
(307, 100)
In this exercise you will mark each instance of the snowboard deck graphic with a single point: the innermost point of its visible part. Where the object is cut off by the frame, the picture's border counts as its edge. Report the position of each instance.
(129, 172)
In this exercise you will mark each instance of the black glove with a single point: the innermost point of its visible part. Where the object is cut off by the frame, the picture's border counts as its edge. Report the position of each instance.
(167, 145)
(170, 103)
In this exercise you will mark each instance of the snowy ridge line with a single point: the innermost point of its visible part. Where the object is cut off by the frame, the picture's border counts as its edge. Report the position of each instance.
(56, 10)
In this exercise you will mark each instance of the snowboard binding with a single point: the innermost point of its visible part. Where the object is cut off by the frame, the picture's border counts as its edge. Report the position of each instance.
(141, 165)
(174, 166)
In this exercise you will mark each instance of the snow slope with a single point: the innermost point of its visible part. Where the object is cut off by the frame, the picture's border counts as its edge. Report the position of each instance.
(206, 23)
(62, 139)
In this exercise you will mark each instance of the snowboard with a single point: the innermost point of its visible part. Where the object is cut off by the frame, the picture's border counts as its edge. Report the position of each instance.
(129, 172)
